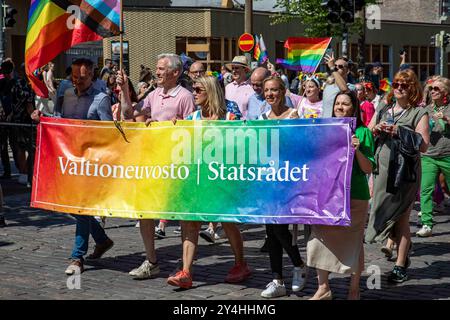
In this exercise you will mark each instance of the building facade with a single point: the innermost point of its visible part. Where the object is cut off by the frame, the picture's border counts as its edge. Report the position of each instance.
(208, 31)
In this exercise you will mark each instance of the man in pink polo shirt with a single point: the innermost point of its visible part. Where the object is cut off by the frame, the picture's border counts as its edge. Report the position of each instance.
(166, 102)
(240, 90)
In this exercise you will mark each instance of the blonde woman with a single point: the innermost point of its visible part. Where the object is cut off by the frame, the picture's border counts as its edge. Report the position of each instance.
(211, 106)
(437, 157)
(279, 237)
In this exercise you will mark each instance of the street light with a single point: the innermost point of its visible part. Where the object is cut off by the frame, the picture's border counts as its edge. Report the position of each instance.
(334, 10)
(8, 16)
(348, 11)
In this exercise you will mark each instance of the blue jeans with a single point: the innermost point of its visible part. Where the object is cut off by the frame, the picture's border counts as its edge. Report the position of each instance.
(86, 225)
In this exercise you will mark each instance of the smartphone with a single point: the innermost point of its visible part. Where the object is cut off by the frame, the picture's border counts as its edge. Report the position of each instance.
(402, 51)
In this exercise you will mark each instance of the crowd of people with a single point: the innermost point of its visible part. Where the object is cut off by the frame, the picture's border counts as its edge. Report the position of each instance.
(401, 142)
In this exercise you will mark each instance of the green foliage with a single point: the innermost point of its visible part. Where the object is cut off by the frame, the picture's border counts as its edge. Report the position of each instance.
(313, 17)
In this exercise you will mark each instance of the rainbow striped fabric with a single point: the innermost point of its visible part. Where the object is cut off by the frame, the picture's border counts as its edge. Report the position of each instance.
(385, 85)
(218, 171)
(57, 25)
(304, 54)
(260, 51)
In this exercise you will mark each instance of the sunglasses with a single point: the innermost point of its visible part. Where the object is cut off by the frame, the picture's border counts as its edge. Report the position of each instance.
(340, 66)
(403, 86)
(198, 90)
(437, 89)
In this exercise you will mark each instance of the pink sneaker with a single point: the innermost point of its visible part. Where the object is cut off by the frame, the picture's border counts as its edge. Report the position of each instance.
(238, 273)
(182, 279)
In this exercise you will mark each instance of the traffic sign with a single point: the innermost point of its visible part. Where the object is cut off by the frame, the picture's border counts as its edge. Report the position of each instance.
(246, 42)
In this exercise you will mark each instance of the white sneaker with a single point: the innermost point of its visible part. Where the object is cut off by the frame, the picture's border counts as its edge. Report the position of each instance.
(298, 278)
(274, 289)
(419, 214)
(207, 235)
(425, 231)
(146, 270)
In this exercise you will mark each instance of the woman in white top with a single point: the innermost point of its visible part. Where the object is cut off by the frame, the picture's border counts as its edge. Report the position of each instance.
(310, 105)
(278, 235)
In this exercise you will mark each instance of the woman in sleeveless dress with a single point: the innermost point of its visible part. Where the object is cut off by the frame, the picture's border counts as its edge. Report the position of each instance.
(389, 216)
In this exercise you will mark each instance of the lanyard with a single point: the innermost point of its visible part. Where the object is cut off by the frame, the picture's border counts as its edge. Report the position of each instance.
(399, 117)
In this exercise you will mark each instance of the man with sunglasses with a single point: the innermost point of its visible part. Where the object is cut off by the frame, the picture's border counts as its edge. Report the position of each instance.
(339, 71)
(240, 89)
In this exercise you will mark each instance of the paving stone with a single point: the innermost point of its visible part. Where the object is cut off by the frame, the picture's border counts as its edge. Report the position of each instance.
(35, 247)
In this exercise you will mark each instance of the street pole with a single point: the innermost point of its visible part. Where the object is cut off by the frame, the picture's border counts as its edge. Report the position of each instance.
(345, 41)
(2, 34)
(441, 58)
(248, 24)
(362, 43)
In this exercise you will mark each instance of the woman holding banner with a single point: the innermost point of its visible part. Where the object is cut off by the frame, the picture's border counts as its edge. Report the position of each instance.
(402, 131)
(340, 249)
(210, 99)
(278, 235)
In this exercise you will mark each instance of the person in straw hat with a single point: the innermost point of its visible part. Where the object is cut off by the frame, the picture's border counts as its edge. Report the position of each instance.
(240, 90)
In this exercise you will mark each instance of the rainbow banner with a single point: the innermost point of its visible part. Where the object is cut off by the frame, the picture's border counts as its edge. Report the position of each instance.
(57, 25)
(290, 171)
(304, 54)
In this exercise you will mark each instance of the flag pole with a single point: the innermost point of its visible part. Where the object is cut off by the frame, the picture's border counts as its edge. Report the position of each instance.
(121, 36)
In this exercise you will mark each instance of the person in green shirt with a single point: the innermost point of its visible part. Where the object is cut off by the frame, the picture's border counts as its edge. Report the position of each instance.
(340, 249)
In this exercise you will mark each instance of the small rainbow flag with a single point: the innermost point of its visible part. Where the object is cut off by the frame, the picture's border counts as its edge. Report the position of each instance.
(260, 51)
(57, 25)
(304, 54)
(385, 85)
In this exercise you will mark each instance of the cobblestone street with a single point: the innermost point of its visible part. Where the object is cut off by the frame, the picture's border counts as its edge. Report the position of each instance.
(36, 244)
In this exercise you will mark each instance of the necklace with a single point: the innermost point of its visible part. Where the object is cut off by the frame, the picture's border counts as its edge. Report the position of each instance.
(438, 109)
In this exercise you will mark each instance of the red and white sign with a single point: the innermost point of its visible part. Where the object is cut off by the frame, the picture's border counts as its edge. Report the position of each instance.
(246, 42)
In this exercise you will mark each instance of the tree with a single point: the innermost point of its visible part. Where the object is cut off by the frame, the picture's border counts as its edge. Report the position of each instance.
(313, 17)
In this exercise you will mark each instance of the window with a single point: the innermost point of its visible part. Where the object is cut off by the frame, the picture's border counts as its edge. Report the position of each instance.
(280, 50)
(213, 52)
(373, 53)
(180, 45)
(422, 59)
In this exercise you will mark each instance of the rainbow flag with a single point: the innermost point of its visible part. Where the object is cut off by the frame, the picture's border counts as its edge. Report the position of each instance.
(385, 85)
(57, 25)
(304, 54)
(260, 51)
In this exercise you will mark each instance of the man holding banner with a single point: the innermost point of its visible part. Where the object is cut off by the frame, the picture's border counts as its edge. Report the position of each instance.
(168, 101)
(85, 102)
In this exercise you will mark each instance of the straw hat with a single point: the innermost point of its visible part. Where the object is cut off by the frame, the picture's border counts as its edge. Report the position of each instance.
(240, 61)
